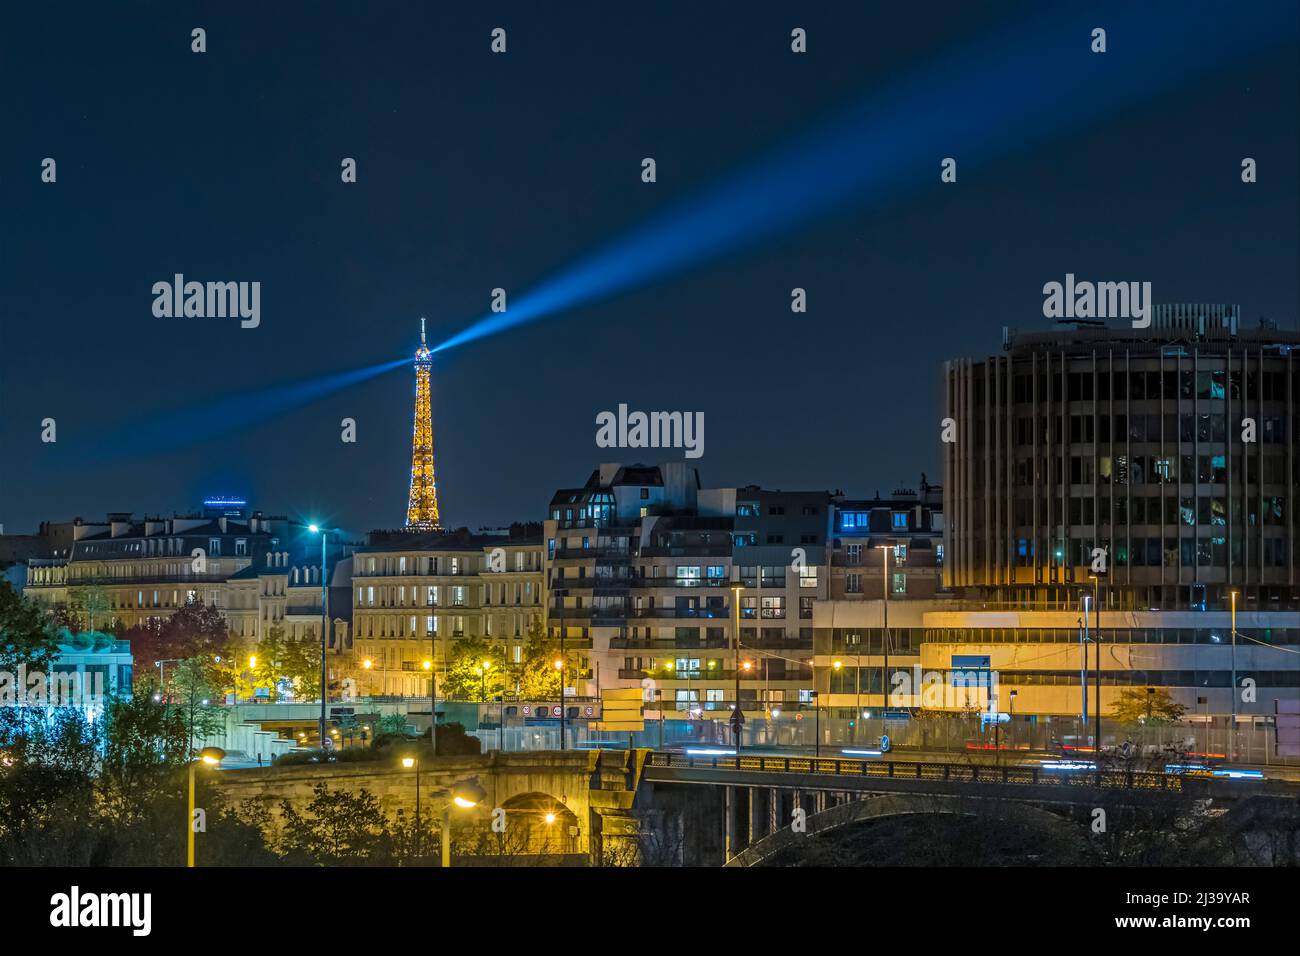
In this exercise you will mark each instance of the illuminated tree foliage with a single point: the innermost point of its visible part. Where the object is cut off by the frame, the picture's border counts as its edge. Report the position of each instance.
(1137, 706)
(466, 678)
(27, 635)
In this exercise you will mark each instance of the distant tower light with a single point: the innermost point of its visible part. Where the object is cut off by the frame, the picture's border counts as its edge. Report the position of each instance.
(422, 503)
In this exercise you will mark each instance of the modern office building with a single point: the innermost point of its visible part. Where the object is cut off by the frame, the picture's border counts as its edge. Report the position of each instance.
(1149, 476)
(1172, 449)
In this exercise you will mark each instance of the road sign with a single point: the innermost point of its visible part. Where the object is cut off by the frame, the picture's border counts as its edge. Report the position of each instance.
(621, 709)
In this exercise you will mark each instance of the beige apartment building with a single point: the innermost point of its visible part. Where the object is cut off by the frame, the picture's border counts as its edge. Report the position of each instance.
(415, 594)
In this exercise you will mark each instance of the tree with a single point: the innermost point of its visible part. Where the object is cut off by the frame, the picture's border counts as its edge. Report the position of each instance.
(301, 666)
(47, 766)
(142, 736)
(466, 678)
(26, 633)
(1140, 706)
(193, 629)
(191, 691)
(539, 678)
(342, 826)
(88, 607)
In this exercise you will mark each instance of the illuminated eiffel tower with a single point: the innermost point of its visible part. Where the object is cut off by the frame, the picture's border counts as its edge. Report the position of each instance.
(422, 508)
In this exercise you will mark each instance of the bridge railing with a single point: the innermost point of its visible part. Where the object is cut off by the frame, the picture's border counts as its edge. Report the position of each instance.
(915, 770)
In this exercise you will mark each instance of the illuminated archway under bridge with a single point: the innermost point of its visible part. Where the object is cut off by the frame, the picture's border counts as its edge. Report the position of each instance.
(566, 804)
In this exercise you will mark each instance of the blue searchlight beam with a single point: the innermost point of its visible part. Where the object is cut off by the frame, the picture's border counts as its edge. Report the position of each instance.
(1017, 85)
(194, 423)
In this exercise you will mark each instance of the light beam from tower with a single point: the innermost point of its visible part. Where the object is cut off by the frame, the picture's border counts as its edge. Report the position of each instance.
(422, 505)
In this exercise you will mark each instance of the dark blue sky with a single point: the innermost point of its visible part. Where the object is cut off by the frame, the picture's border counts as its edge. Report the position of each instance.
(478, 171)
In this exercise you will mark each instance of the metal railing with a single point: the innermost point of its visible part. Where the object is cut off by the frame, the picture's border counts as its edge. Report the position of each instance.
(908, 770)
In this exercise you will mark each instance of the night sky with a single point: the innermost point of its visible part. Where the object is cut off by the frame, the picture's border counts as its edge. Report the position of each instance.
(478, 170)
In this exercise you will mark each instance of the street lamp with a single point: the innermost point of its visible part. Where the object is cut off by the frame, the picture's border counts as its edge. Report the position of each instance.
(1096, 599)
(1011, 722)
(884, 640)
(737, 715)
(208, 757)
(324, 618)
(1232, 736)
(559, 666)
(162, 674)
(410, 763)
(817, 719)
(466, 795)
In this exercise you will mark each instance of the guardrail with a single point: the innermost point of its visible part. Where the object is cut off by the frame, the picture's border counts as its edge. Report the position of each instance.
(909, 770)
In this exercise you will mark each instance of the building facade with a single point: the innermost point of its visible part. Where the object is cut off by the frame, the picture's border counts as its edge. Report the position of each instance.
(1145, 480)
(643, 567)
(415, 594)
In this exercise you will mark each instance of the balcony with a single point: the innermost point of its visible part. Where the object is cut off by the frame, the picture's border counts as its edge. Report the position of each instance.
(664, 645)
(571, 613)
(688, 551)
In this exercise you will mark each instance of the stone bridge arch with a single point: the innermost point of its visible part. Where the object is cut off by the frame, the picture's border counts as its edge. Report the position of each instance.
(577, 788)
(887, 805)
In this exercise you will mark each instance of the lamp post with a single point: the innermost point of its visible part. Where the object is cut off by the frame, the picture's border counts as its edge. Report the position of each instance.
(1096, 599)
(466, 795)
(1083, 667)
(559, 666)
(433, 701)
(836, 665)
(560, 595)
(1011, 723)
(1232, 736)
(884, 640)
(409, 763)
(162, 674)
(324, 619)
(209, 757)
(737, 715)
(817, 721)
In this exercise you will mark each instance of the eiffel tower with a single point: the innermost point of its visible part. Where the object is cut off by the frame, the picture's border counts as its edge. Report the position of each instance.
(422, 507)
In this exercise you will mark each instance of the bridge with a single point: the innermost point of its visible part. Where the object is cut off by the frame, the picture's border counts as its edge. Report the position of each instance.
(753, 797)
(844, 775)
(669, 808)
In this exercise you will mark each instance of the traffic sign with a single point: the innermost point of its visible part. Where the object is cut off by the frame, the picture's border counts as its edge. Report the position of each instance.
(621, 709)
